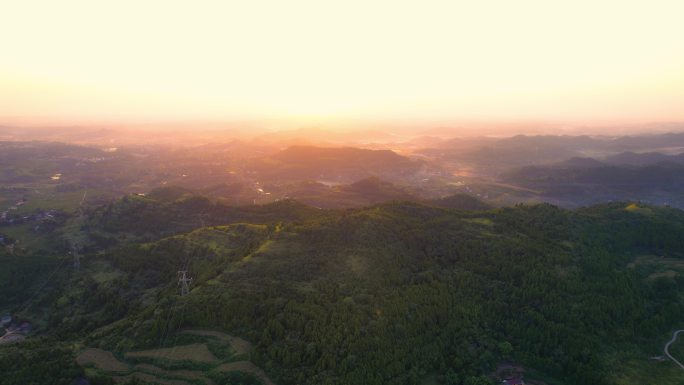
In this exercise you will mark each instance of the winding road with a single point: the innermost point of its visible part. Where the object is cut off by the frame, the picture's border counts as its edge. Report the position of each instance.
(667, 347)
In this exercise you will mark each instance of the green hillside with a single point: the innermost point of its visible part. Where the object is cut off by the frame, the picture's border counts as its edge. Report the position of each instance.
(399, 293)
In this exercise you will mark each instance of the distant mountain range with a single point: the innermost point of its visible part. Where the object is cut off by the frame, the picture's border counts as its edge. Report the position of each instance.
(652, 177)
(523, 150)
(334, 164)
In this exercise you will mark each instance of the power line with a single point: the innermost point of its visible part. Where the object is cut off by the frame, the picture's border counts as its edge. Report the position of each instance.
(27, 304)
(77, 257)
(74, 245)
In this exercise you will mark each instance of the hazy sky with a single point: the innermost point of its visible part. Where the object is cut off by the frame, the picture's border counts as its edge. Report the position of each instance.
(577, 60)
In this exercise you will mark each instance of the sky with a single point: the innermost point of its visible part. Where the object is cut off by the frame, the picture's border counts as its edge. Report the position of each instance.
(72, 61)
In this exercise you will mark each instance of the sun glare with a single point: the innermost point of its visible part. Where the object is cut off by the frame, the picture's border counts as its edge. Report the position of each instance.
(379, 59)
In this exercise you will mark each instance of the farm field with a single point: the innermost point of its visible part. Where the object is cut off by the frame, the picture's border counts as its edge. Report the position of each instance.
(163, 365)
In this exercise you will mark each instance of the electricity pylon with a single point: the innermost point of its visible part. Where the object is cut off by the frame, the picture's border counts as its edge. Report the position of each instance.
(183, 282)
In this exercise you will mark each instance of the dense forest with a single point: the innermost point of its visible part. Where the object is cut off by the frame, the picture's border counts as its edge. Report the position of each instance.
(397, 293)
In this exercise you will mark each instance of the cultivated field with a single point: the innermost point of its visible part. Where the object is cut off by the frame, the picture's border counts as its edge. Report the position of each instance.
(164, 366)
(102, 360)
(193, 352)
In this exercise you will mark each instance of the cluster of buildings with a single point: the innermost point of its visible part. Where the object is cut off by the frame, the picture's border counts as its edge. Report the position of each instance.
(510, 374)
(7, 217)
(15, 329)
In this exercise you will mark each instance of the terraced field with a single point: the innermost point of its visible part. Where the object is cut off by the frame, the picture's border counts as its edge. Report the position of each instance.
(102, 360)
(160, 366)
(246, 367)
(239, 345)
(193, 352)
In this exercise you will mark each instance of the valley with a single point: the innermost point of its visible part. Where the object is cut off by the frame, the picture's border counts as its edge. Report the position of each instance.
(393, 271)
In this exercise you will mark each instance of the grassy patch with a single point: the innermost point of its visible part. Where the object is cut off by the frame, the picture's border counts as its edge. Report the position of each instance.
(237, 345)
(247, 368)
(634, 208)
(172, 364)
(147, 378)
(221, 350)
(197, 352)
(29, 238)
(651, 266)
(196, 377)
(102, 360)
(479, 221)
(643, 371)
(235, 378)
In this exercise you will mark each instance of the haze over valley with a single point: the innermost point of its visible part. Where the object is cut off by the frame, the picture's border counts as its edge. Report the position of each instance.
(341, 192)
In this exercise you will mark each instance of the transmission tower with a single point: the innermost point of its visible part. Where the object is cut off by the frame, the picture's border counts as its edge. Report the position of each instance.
(183, 282)
(74, 246)
(77, 257)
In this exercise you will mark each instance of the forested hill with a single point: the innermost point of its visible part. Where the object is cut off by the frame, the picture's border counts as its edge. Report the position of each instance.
(399, 293)
(335, 163)
(135, 218)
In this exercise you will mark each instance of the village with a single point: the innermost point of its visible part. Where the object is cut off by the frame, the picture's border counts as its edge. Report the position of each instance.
(40, 220)
(9, 216)
(14, 329)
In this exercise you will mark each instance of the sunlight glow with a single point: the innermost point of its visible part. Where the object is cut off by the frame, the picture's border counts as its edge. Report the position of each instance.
(127, 59)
